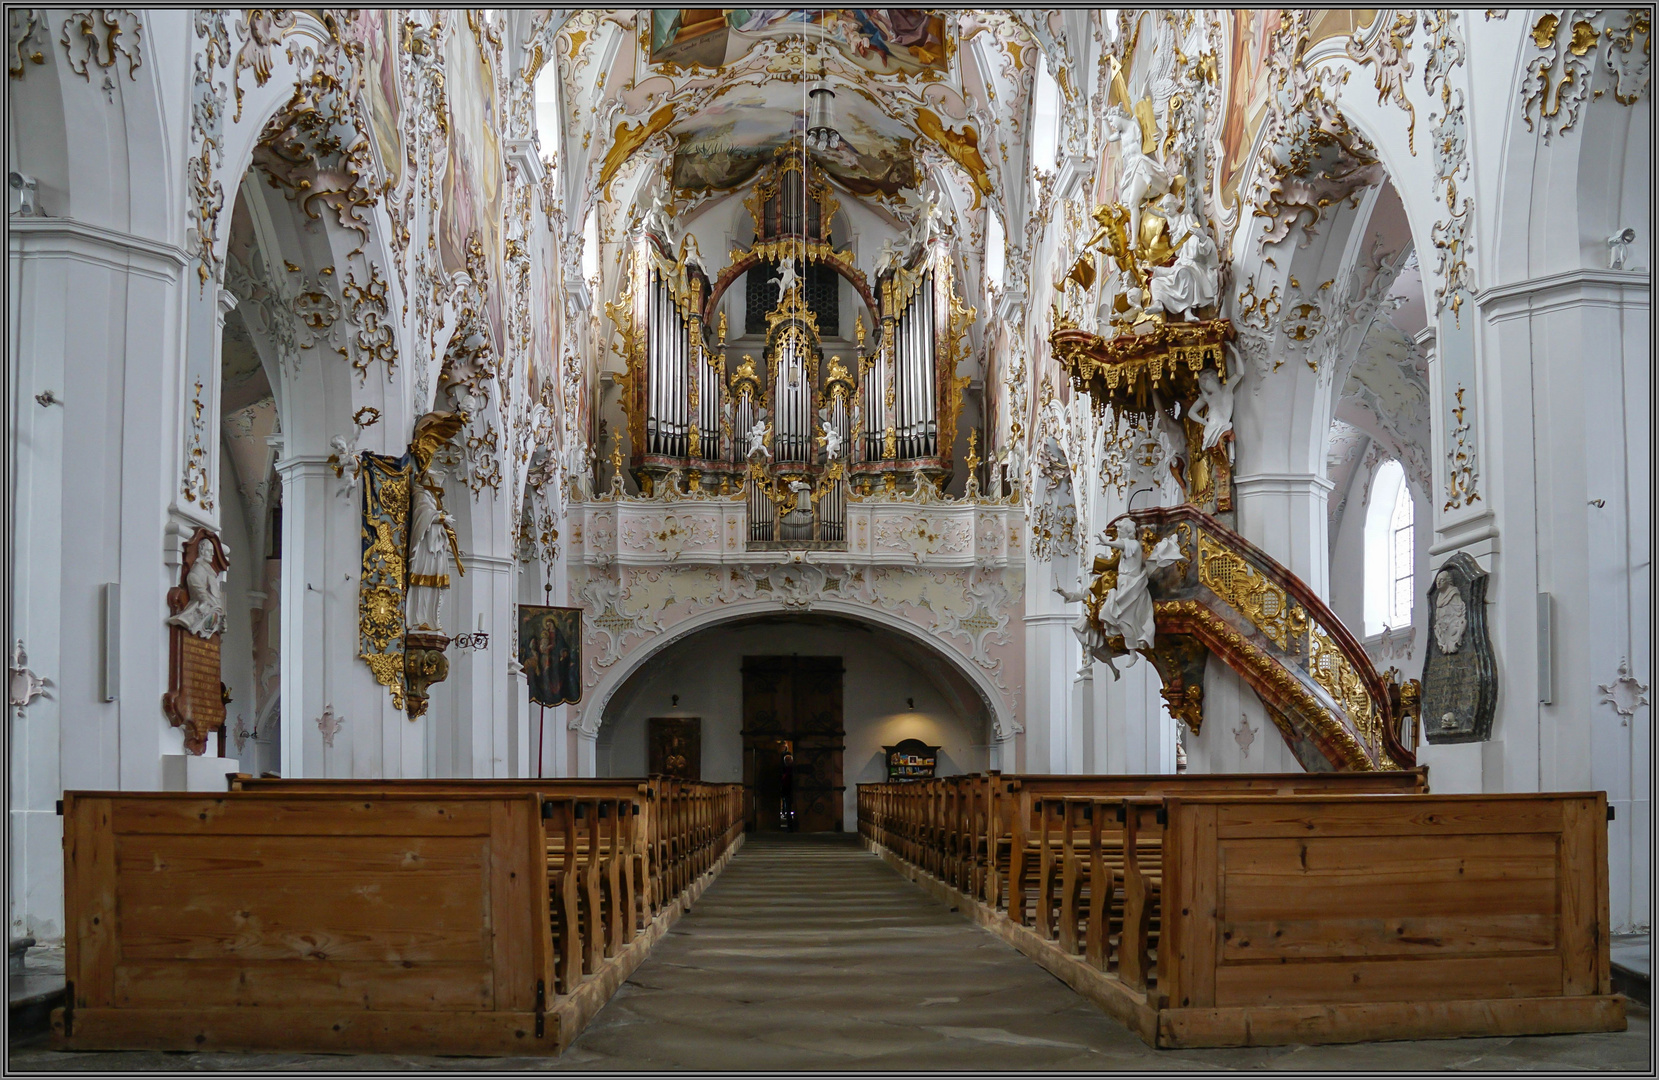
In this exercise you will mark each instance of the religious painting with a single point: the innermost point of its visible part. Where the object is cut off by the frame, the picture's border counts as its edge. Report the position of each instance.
(550, 651)
(472, 203)
(377, 31)
(676, 747)
(1247, 91)
(727, 142)
(906, 42)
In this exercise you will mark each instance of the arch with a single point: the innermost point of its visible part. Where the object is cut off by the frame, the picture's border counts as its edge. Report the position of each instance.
(1002, 721)
(741, 266)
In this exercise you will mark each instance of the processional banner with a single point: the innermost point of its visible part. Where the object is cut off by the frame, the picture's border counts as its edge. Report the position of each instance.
(550, 651)
(380, 592)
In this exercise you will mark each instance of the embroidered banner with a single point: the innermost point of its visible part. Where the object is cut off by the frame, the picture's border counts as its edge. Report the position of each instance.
(385, 482)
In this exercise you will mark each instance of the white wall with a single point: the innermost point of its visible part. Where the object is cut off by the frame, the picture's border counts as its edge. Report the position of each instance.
(882, 672)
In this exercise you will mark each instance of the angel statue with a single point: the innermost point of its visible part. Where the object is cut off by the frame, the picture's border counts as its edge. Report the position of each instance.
(889, 258)
(1088, 634)
(831, 439)
(757, 440)
(1214, 408)
(1127, 609)
(1140, 174)
(787, 277)
(656, 220)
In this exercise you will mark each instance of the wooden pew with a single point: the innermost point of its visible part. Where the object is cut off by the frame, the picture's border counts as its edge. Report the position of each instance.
(384, 923)
(1015, 856)
(1201, 917)
(607, 853)
(1302, 919)
(464, 917)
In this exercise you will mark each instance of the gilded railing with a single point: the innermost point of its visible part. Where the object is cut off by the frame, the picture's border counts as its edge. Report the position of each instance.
(1228, 598)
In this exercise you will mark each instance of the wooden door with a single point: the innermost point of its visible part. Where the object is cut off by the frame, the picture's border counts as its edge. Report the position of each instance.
(793, 704)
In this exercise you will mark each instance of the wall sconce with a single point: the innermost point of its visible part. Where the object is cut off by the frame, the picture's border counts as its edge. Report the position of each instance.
(674, 702)
(910, 703)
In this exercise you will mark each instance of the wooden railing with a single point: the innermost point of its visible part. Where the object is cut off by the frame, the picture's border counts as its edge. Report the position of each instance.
(1239, 910)
(437, 916)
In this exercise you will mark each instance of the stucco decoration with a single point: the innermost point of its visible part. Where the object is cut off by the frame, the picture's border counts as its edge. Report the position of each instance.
(1626, 693)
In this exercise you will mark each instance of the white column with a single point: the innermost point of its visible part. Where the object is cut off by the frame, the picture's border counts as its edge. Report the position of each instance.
(94, 318)
(1284, 515)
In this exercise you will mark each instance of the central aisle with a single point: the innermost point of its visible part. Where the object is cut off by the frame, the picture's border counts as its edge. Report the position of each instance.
(808, 952)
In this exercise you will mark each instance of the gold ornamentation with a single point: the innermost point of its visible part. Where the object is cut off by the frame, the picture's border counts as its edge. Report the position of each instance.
(1122, 371)
(1271, 678)
(21, 24)
(198, 487)
(96, 37)
(1251, 594)
(1462, 476)
(1331, 670)
(382, 586)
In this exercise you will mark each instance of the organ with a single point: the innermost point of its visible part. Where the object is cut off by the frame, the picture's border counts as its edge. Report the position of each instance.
(760, 393)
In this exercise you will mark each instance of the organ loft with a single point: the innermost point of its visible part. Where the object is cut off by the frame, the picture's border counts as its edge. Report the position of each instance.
(522, 517)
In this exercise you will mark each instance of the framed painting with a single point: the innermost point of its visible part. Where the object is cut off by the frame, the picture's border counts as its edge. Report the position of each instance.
(550, 651)
(676, 747)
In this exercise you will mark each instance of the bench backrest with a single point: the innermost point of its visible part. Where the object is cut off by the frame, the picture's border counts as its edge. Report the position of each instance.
(1321, 900)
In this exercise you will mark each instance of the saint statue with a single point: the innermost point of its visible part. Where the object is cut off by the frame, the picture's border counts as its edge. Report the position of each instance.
(204, 615)
(1140, 174)
(432, 541)
(1194, 281)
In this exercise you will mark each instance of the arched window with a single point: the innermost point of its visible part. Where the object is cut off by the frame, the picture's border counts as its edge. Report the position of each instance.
(1045, 120)
(1401, 558)
(1390, 551)
(995, 249)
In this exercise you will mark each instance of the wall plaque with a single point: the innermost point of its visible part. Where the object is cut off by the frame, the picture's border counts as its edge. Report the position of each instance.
(1460, 674)
(195, 627)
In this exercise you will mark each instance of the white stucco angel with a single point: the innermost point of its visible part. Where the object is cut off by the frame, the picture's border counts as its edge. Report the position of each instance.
(787, 277)
(757, 440)
(204, 615)
(344, 460)
(1214, 408)
(832, 441)
(1194, 281)
(656, 220)
(888, 259)
(1088, 635)
(1140, 175)
(1127, 609)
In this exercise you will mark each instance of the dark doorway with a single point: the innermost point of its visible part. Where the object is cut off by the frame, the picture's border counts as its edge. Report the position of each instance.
(792, 708)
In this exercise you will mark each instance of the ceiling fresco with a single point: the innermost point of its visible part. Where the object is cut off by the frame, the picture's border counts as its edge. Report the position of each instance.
(727, 142)
(882, 41)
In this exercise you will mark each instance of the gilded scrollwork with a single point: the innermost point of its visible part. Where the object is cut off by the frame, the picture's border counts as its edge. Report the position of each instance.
(1251, 594)
(22, 46)
(1386, 49)
(198, 484)
(1449, 137)
(100, 37)
(1462, 469)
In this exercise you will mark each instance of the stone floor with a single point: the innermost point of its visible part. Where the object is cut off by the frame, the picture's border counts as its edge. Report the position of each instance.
(807, 953)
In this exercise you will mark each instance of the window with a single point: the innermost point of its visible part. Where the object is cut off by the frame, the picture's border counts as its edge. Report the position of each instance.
(1390, 551)
(1401, 559)
(822, 294)
(996, 254)
(1045, 120)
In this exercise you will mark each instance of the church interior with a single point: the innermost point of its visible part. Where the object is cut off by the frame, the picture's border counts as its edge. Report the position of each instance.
(782, 539)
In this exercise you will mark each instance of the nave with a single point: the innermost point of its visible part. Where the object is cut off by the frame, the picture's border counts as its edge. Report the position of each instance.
(808, 953)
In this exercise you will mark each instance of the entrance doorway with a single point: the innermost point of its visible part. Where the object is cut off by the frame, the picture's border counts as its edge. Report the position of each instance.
(792, 710)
